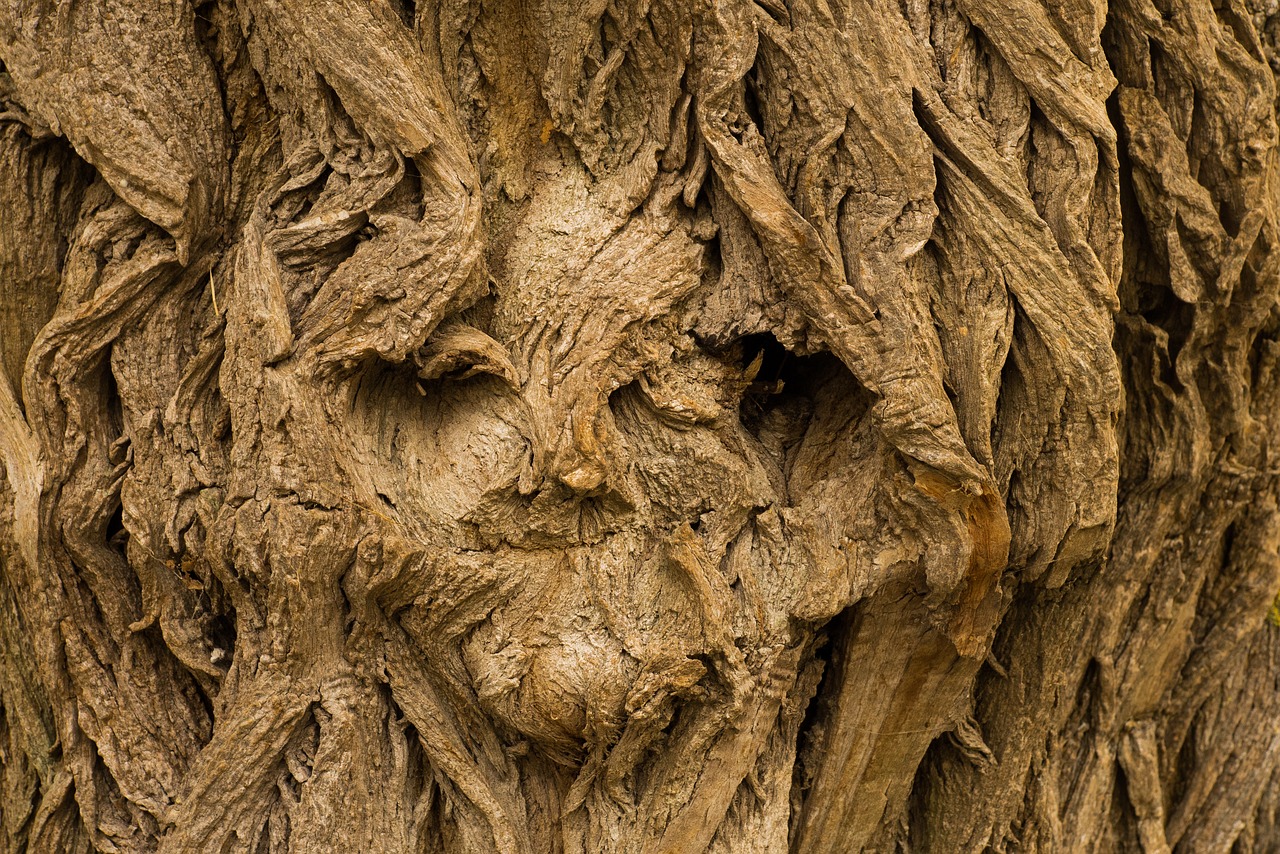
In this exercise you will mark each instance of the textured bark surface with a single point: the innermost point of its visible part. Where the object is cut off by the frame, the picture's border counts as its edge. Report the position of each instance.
(639, 426)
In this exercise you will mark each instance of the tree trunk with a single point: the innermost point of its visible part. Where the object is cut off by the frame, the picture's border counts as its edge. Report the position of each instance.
(639, 426)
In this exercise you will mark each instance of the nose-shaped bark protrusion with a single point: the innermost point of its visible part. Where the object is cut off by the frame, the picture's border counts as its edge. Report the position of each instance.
(573, 445)
(582, 463)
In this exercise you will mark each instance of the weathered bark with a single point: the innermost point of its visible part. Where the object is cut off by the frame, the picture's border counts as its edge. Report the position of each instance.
(639, 427)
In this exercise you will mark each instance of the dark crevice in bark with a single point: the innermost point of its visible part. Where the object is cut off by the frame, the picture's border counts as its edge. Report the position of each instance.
(811, 733)
(407, 10)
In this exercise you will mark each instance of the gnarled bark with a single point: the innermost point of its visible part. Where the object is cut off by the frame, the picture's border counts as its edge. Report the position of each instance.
(639, 427)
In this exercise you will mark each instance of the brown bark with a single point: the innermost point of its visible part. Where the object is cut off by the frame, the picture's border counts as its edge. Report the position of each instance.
(639, 427)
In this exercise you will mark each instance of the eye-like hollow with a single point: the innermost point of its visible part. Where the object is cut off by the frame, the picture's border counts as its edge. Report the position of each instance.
(767, 366)
(788, 399)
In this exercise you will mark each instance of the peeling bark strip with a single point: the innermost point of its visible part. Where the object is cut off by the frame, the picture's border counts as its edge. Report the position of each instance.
(644, 427)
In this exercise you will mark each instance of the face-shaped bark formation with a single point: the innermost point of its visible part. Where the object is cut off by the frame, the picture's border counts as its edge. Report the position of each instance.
(474, 427)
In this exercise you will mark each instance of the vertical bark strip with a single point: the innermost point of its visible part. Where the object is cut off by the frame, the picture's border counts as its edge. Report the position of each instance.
(635, 427)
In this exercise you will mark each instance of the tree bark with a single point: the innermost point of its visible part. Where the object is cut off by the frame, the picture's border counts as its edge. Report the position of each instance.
(655, 426)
